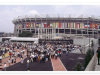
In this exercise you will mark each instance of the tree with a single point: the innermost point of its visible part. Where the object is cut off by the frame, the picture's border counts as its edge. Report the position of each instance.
(78, 67)
(25, 34)
(92, 47)
(88, 57)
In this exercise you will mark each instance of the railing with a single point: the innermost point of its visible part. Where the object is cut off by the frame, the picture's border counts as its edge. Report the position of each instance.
(91, 65)
(59, 16)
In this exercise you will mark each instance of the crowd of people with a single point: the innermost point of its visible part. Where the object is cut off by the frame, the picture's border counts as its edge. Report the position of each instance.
(34, 52)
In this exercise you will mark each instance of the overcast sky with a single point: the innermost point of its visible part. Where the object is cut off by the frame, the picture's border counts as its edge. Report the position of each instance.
(9, 12)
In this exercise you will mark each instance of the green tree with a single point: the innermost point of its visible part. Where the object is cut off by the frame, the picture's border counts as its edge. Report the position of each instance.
(92, 47)
(26, 34)
(78, 67)
(88, 57)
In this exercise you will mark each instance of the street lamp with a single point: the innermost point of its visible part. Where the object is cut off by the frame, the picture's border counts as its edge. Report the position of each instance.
(89, 34)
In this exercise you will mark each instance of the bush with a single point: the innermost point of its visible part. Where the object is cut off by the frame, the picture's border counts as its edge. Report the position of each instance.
(26, 34)
(78, 67)
(88, 57)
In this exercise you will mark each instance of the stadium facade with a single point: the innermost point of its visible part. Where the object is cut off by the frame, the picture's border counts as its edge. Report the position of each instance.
(50, 26)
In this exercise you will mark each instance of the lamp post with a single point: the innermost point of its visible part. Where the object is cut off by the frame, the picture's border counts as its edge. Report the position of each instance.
(89, 34)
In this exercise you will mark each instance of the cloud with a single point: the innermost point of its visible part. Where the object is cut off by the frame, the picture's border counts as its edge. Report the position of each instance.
(33, 12)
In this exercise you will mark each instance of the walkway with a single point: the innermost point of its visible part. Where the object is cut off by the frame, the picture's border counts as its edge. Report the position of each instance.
(18, 59)
(57, 65)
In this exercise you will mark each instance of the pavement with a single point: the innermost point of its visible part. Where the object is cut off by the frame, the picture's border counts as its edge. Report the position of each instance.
(76, 51)
(97, 67)
(63, 63)
(70, 61)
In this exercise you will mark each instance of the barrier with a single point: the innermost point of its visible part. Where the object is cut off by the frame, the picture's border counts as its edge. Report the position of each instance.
(91, 65)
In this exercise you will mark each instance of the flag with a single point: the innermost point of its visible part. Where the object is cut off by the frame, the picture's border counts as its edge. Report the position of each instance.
(48, 25)
(37, 25)
(62, 25)
(85, 25)
(22, 25)
(45, 25)
(82, 25)
(77, 25)
(51, 25)
(42, 25)
(34, 25)
(27, 25)
(88, 25)
(91, 25)
(74, 25)
(31, 25)
(65, 25)
(95, 26)
(99, 26)
(59, 25)
(68, 25)
(19, 25)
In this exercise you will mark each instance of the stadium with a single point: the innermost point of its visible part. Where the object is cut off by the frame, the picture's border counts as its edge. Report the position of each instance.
(58, 26)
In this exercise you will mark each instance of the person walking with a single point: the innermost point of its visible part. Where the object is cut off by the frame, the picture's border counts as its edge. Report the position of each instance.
(22, 60)
(1, 67)
(98, 54)
(12, 59)
(27, 63)
(15, 60)
(9, 61)
(5, 66)
(0, 59)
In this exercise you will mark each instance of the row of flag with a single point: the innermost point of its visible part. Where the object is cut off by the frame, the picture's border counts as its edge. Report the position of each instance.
(58, 25)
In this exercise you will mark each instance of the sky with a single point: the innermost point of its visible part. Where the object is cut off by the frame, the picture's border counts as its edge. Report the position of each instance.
(9, 12)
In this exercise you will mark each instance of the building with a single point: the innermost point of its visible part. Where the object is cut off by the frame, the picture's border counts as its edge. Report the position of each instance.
(64, 26)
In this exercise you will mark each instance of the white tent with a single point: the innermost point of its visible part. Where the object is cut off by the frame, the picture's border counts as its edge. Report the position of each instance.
(24, 39)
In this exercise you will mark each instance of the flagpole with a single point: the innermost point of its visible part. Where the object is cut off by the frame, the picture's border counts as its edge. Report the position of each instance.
(38, 33)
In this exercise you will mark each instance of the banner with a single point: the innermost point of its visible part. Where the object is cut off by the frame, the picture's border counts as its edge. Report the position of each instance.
(34, 25)
(45, 25)
(91, 25)
(48, 24)
(51, 25)
(42, 25)
(22, 25)
(37, 25)
(31, 25)
(95, 26)
(68, 25)
(74, 25)
(85, 25)
(19, 25)
(27, 24)
(59, 25)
